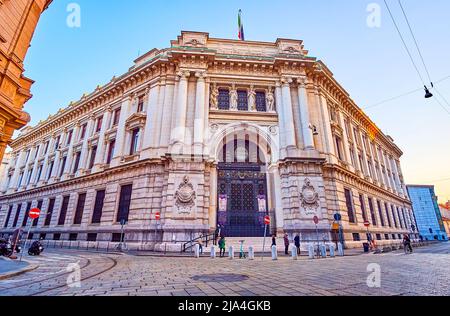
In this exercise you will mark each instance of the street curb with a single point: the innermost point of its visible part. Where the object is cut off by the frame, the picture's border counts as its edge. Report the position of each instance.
(9, 275)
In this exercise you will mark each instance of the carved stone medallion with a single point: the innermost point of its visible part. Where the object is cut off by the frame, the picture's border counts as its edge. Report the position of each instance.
(185, 197)
(309, 198)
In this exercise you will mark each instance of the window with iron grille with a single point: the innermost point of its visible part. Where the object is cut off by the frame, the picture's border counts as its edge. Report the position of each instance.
(80, 209)
(393, 216)
(73, 237)
(63, 213)
(124, 203)
(92, 237)
(363, 207)
(48, 216)
(98, 207)
(387, 214)
(349, 203)
(224, 99)
(242, 100)
(372, 212)
(261, 101)
(380, 212)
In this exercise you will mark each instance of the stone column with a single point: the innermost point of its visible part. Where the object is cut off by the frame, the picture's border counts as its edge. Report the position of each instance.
(5, 185)
(365, 168)
(149, 129)
(200, 112)
(167, 118)
(26, 169)
(278, 203)
(288, 114)
(158, 114)
(85, 148)
(101, 146)
(305, 120)
(45, 166)
(282, 120)
(326, 125)
(179, 131)
(18, 165)
(68, 167)
(36, 164)
(121, 131)
(345, 143)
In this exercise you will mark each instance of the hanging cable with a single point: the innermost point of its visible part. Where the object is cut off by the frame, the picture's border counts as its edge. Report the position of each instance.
(442, 106)
(404, 43)
(440, 94)
(415, 42)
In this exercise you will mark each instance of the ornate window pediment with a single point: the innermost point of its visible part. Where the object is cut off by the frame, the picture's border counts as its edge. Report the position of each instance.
(137, 120)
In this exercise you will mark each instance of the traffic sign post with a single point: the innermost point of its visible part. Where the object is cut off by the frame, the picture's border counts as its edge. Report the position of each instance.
(157, 218)
(33, 214)
(266, 223)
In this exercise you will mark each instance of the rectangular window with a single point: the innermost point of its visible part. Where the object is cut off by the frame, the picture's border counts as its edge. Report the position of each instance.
(16, 218)
(93, 154)
(224, 99)
(39, 173)
(57, 236)
(339, 147)
(261, 101)
(98, 207)
(124, 203)
(27, 213)
(43, 236)
(116, 117)
(242, 100)
(77, 162)
(63, 166)
(29, 174)
(393, 216)
(386, 207)
(99, 124)
(378, 236)
(48, 216)
(39, 206)
(363, 207)
(349, 203)
(46, 147)
(50, 170)
(380, 213)
(69, 138)
(394, 236)
(400, 218)
(80, 209)
(92, 237)
(28, 155)
(117, 237)
(140, 107)
(386, 236)
(356, 237)
(20, 180)
(134, 141)
(372, 212)
(355, 134)
(57, 140)
(73, 237)
(83, 131)
(404, 219)
(112, 145)
(63, 213)
(8, 217)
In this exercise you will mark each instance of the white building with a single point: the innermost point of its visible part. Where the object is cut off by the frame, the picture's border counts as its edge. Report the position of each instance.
(207, 132)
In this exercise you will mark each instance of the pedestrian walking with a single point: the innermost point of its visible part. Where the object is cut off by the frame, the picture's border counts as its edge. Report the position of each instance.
(222, 246)
(200, 244)
(297, 243)
(286, 244)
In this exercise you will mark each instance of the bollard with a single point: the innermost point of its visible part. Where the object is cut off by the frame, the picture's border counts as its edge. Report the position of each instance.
(231, 253)
(213, 252)
(323, 251)
(294, 253)
(332, 251)
(197, 251)
(274, 253)
(340, 250)
(311, 251)
(251, 253)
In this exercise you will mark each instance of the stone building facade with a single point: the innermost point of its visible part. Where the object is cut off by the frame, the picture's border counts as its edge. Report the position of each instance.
(209, 133)
(18, 20)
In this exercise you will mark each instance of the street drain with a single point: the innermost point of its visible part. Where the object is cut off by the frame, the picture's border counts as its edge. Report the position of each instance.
(220, 278)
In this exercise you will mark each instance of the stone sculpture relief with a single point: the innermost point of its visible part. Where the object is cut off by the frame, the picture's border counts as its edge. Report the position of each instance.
(309, 198)
(233, 99)
(252, 99)
(214, 99)
(185, 197)
(270, 101)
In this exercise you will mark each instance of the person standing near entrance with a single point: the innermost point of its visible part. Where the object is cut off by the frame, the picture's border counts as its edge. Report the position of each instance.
(274, 240)
(297, 243)
(200, 244)
(286, 244)
(222, 246)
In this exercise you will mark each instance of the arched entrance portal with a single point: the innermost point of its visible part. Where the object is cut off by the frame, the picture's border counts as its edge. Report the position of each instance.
(242, 187)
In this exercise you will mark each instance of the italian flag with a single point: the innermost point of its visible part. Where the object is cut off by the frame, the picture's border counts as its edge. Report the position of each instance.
(241, 27)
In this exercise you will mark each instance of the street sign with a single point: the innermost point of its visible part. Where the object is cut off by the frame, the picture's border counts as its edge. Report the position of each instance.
(316, 220)
(337, 217)
(34, 213)
(366, 223)
(267, 220)
(157, 216)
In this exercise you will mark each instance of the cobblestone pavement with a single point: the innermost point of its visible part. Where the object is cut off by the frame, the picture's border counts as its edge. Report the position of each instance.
(426, 272)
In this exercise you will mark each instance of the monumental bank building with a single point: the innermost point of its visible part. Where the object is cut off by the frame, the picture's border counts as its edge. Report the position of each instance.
(209, 133)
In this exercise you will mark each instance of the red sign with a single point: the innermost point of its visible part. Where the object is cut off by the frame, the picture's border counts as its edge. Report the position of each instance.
(157, 216)
(267, 220)
(366, 223)
(34, 213)
(316, 220)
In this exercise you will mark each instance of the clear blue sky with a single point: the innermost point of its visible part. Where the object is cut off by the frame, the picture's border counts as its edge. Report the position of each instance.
(370, 63)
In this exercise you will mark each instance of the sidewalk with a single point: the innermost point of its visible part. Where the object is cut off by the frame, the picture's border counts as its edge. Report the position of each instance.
(11, 268)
